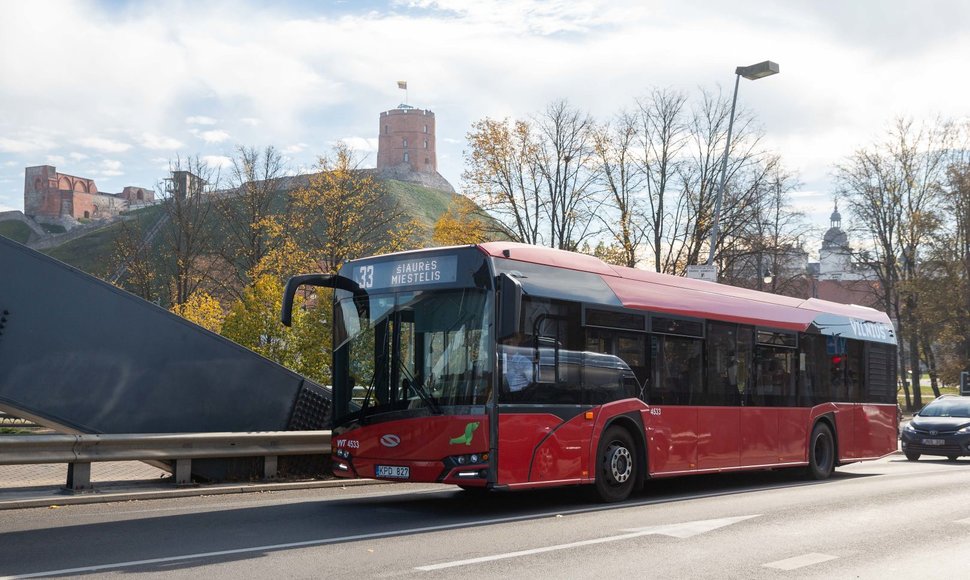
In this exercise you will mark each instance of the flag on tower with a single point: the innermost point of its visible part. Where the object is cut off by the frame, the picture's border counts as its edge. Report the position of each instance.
(402, 85)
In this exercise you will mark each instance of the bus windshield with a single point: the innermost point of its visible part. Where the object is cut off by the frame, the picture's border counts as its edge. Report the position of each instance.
(421, 351)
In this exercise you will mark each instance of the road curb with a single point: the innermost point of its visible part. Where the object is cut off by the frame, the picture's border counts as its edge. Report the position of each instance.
(54, 499)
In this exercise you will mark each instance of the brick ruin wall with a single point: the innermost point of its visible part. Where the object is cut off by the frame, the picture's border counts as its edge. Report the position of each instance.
(60, 198)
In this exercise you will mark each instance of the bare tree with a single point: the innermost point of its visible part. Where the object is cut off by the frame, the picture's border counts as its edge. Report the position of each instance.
(621, 179)
(564, 158)
(745, 175)
(133, 263)
(766, 252)
(185, 230)
(894, 189)
(663, 135)
(945, 288)
(536, 176)
(248, 210)
(501, 176)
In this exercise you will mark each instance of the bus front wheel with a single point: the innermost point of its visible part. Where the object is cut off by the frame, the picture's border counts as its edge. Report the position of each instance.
(616, 465)
(821, 452)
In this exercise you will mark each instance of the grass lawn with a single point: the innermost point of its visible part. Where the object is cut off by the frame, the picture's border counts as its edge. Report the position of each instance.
(926, 391)
(15, 230)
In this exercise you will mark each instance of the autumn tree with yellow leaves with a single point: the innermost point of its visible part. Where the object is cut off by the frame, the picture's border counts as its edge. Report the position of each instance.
(202, 309)
(345, 213)
(253, 321)
(462, 224)
(341, 213)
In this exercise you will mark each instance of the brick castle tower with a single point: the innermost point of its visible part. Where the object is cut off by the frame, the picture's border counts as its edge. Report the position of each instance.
(406, 147)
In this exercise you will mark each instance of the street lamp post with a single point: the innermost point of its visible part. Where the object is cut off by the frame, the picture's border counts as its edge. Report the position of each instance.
(752, 72)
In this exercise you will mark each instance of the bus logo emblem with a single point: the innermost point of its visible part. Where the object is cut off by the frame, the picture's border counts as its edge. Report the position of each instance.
(390, 440)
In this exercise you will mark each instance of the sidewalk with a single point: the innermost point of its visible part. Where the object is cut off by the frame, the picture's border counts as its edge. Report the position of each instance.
(27, 486)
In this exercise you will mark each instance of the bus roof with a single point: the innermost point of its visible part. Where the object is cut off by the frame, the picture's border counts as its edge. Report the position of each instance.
(644, 290)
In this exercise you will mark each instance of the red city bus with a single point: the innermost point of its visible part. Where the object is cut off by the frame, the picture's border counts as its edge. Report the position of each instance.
(509, 366)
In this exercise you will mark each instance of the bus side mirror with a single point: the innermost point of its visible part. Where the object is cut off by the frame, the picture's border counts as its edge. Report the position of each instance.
(322, 280)
(510, 306)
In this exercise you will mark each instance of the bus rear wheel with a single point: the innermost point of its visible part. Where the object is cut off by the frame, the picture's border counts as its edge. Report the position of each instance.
(821, 452)
(616, 465)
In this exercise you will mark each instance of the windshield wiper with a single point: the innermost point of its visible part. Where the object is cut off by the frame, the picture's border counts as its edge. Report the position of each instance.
(365, 404)
(419, 390)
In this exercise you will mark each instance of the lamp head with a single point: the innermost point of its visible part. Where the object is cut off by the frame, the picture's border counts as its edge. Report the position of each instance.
(758, 71)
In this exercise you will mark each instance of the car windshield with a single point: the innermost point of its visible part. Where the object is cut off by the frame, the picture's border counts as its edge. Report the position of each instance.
(949, 407)
(414, 350)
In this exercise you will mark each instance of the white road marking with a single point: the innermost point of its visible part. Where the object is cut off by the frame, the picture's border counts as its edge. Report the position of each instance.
(689, 529)
(800, 561)
(322, 542)
(684, 530)
(326, 541)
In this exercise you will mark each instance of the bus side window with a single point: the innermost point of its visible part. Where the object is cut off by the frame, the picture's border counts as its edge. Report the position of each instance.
(678, 370)
(548, 330)
(614, 365)
(722, 364)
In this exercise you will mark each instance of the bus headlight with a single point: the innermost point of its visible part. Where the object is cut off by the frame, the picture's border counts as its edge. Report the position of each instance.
(468, 459)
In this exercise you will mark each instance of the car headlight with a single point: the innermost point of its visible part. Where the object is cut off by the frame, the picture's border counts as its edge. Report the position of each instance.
(963, 430)
(909, 427)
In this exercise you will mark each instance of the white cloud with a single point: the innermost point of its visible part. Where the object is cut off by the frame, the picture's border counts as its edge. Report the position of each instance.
(103, 144)
(217, 161)
(107, 168)
(161, 164)
(200, 120)
(159, 142)
(526, 16)
(77, 156)
(56, 160)
(213, 136)
(363, 144)
(295, 148)
(23, 145)
(308, 77)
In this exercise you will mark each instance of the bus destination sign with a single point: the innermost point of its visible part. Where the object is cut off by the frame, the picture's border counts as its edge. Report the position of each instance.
(413, 272)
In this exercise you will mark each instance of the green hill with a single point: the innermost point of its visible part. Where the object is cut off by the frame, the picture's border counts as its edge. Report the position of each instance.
(94, 252)
(423, 204)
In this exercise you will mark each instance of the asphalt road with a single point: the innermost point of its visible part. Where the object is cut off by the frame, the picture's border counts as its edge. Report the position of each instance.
(884, 519)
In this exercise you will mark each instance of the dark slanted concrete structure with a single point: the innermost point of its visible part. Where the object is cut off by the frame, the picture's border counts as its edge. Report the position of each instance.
(82, 356)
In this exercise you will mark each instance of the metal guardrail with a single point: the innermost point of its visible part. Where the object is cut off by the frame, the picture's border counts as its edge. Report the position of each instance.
(79, 451)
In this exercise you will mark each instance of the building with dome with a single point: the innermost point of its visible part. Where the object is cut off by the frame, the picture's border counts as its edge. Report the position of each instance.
(837, 276)
(835, 256)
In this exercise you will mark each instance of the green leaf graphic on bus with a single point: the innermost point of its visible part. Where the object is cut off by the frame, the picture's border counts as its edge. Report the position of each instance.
(467, 437)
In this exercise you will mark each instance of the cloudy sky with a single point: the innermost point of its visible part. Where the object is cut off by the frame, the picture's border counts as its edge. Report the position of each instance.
(114, 89)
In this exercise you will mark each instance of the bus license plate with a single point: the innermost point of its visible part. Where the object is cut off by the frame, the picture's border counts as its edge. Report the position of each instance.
(393, 471)
(933, 442)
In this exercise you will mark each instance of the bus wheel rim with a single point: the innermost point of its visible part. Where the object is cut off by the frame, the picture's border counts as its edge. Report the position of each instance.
(621, 464)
